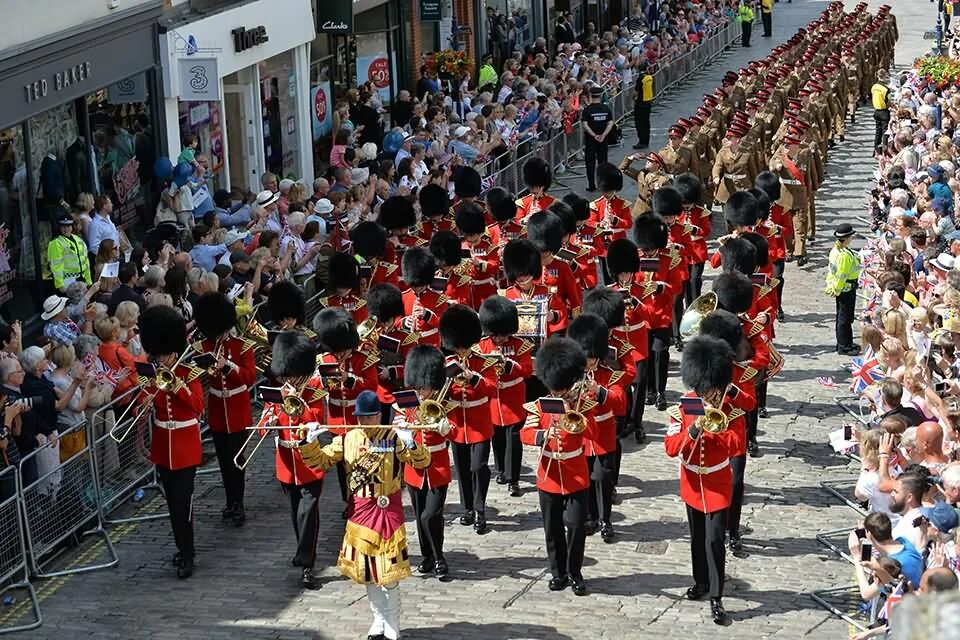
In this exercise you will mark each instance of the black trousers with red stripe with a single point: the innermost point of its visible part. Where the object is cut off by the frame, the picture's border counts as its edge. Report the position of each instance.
(305, 513)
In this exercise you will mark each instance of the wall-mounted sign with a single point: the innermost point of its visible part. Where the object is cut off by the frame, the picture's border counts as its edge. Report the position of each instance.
(199, 79)
(244, 38)
(57, 81)
(430, 10)
(335, 17)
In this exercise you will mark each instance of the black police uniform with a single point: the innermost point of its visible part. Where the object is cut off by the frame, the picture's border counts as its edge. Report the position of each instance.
(596, 116)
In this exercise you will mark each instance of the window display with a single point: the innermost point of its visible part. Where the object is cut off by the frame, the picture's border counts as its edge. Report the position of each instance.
(278, 104)
(205, 121)
(20, 293)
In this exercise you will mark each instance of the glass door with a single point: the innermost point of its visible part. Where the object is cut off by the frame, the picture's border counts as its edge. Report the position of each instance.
(241, 135)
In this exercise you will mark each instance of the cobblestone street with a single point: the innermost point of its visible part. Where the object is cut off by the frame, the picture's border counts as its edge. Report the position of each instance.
(244, 586)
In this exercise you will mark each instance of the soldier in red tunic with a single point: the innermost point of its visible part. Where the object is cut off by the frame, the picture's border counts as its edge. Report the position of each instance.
(668, 204)
(740, 214)
(391, 339)
(581, 259)
(294, 361)
(563, 476)
(434, 212)
(545, 230)
(467, 186)
(522, 266)
(229, 410)
(512, 365)
(369, 242)
(398, 217)
(706, 481)
(769, 183)
(468, 399)
(610, 214)
(343, 287)
(453, 273)
(699, 218)
(424, 372)
(480, 251)
(422, 304)
(175, 438)
(501, 215)
(538, 176)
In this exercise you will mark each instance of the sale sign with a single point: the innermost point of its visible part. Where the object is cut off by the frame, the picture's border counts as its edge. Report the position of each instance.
(378, 69)
(379, 73)
(322, 113)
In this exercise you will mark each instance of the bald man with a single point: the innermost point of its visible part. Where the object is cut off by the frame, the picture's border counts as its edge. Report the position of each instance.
(938, 580)
(930, 444)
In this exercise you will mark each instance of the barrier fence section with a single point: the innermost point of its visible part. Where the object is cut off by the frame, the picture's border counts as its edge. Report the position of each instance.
(59, 503)
(14, 574)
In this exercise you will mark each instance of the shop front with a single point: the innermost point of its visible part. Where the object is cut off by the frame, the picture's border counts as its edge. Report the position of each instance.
(239, 82)
(78, 118)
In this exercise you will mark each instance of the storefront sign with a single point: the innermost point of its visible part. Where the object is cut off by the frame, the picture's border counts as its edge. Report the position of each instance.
(128, 90)
(56, 82)
(322, 110)
(335, 16)
(244, 38)
(430, 10)
(199, 79)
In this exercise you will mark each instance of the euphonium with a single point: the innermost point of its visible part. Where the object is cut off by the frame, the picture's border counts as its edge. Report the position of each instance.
(695, 313)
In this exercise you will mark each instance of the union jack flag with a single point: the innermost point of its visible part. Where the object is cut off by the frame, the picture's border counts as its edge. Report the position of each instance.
(893, 599)
(866, 371)
(489, 182)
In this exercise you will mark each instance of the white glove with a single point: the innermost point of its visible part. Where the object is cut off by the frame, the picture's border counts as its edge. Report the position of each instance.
(405, 436)
(313, 431)
(444, 427)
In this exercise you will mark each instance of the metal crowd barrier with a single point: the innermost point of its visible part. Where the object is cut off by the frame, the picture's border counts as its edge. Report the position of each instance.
(14, 574)
(849, 598)
(61, 502)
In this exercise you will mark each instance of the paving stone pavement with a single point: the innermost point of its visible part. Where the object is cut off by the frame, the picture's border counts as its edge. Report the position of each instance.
(245, 587)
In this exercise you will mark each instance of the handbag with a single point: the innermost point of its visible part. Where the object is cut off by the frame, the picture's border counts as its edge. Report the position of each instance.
(71, 443)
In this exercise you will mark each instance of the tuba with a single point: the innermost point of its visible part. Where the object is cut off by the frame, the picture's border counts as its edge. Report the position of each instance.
(695, 313)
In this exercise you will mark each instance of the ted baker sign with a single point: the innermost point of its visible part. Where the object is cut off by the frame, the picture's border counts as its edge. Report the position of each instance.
(60, 80)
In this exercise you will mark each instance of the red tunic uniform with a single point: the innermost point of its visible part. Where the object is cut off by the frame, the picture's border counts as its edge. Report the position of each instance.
(175, 438)
(681, 236)
(782, 217)
(531, 204)
(506, 403)
(636, 325)
(706, 480)
(558, 276)
(423, 314)
(484, 270)
(562, 467)
(557, 315)
(290, 466)
(611, 402)
(510, 230)
(229, 409)
(755, 333)
(383, 272)
(776, 245)
(659, 306)
(765, 301)
(700, 218)
(352, 302)
(613, 213)
(438, 473)
(745, 399)
(470, 402)
(391, 363)
(360, 374)
(427, 228)
(583, 265)
(396, 246)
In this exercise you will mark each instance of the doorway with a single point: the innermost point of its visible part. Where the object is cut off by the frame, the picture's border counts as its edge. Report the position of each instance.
(242, 169)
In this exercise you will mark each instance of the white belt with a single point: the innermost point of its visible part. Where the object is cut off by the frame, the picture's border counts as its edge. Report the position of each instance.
(288, 444)
(434, 448)
(705, 471)
(563, 455)
(509, 383)
(735, 176)
(790, 182)
(227, 393)
(634, 327)
(468, 404)
(342, 403)
(485, 281)
(170, 425)
(428, 332)
(606, 416)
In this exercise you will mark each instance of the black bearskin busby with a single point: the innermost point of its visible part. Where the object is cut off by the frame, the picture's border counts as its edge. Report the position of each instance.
(470, 219)
(385, 302)
(740, 209)
(580, 206)
(418, 267)
(336, 330)
(466, 182)
(726, 326)
(425, 368)
(537, 173)
(434, 201)
(606, 303)
(622, 257)
(545, 231)
(521, 258)
(343, 272)
(459, 327)
(650, 232)
(397, 212)
(609, 177)
(567, 217)
(769, 183)
(761, 248)
(666, 201)
(738, 254)
(763, 203)
(590, 332)
(706, 365)
(734, 292)
(369, 240)
(294, 356)
(560, 364)
(215, 315)
(502, 204)
(163, 331)
(445, 247)
(689, 187)
(498, 316)
(286, 300)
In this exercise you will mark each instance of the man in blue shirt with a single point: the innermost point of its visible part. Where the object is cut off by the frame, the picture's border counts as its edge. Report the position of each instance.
(879, 534)
(230, 214)
(204, 254)
(938, 186)
(101, 226)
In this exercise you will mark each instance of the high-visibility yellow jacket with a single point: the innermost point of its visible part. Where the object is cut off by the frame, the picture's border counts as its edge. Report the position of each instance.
(844, 270)
(744, 13)
(68, 260)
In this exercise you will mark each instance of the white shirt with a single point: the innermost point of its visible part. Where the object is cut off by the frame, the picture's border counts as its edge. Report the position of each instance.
(419, 170)
(905, 528)
(102, 228)
(879, 502)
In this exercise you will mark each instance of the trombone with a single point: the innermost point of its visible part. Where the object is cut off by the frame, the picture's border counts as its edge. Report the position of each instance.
(293, 405)
(165, 380)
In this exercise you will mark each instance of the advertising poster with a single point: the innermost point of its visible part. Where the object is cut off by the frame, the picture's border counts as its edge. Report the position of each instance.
(322, 110)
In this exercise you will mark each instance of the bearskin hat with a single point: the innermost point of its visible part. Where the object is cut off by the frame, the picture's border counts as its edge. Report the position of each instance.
(397, 212)
(734, 292)
(666, 201)
(215, 314)
(769, 183)
(369, 240)
(580, 206)
(470, 218)
(336, 330)
(650, 232)
(738, 255)
(163, 331)
(418, 266)
(445, 247)
(740, 209)
(590, 332)
(424, 368)
(545, 231)
(343, 272)
(385, 302)
(763, 203)
(434, 201)
(286, 300)
(521, 258)
(498, 316)
(560, 363)
(726, 326)
(689, 187)
(606, 303)
(502, 204)
(537, 173)
(622, 257)
(466, 182)
(565, 212)
(706, 364)
(294, 355)
(459, 327)
(609, 177)
(761, 248)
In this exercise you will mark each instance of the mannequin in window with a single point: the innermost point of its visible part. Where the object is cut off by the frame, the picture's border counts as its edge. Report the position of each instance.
(52, 186)
(78, 169)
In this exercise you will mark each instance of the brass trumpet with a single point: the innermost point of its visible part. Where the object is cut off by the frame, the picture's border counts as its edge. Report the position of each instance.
(714, 419)
(165, 380)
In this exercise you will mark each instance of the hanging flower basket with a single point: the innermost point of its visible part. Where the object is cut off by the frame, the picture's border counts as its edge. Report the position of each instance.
(943, 71)
(447, 64)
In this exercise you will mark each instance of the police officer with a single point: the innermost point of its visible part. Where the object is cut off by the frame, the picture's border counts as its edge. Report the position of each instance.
(598, 122)
(842, 279)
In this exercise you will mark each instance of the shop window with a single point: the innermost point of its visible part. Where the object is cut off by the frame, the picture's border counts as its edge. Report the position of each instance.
(20, 292)
(373, 20)
(278, 106)
(205, 121)
(321, 112)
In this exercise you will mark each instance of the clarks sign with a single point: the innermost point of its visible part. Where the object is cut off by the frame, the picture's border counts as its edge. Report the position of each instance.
(335, 17)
